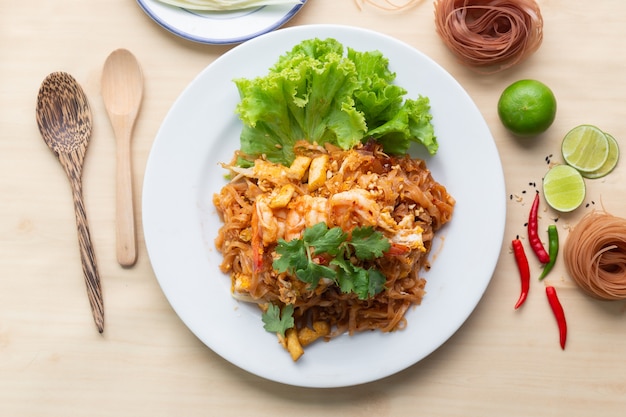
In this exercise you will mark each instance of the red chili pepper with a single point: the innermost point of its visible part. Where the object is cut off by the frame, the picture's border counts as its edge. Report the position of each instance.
(524, 271)
(533, 233)
(557, 309)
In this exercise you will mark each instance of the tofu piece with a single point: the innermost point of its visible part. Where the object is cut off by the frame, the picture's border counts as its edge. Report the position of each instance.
(293, 344)
(298, 167)
(283, 197)
(317, 172)
(306, 336)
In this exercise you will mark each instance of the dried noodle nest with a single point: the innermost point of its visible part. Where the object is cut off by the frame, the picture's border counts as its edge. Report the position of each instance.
(490, 35)
(595, 255)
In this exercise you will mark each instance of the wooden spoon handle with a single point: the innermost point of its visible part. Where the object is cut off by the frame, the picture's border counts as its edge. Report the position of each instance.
(87, 256)
(124, 206)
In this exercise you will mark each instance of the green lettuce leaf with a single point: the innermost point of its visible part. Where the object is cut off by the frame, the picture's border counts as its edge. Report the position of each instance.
(411, 123)
(322, 94)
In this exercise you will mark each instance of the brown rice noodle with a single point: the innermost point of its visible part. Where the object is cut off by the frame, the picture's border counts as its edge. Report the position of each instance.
(490, 35)
(595, 255)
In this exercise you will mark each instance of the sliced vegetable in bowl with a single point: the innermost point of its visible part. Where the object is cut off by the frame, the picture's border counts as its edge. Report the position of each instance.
(216, 5)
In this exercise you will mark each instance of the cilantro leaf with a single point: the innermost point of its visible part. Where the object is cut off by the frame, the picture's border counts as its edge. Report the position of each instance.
(365, 283)
(361, 282)
(325, 240)
(277, 321)
(315, 232)
(296, 256)
(345, 274)
(313, 273)
(368, 243)
(369, 282)
(292, 256)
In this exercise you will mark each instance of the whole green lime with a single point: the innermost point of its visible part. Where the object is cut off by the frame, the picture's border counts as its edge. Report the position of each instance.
(527, 107)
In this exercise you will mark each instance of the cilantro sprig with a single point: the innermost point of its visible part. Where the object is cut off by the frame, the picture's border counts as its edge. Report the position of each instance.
(298, 256)
(277, 321)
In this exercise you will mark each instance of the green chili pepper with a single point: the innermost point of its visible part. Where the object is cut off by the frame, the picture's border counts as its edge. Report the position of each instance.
(553, 250)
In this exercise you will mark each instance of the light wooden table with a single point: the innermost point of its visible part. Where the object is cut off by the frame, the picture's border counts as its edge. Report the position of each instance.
(500, 363)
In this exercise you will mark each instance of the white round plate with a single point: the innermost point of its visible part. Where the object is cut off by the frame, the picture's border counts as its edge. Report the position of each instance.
(180, 222)
(219, 27)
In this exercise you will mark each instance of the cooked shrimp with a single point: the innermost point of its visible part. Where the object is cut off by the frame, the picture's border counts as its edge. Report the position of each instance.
(305, 211)
(270, 224)
(353, 207)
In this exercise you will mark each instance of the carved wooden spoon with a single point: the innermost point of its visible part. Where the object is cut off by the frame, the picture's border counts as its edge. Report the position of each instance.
(122, 91)
(64, 120)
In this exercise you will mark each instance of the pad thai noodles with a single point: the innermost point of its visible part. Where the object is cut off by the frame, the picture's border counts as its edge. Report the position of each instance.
(265, 207)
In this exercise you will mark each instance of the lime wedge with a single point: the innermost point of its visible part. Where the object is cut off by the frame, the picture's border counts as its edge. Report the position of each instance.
(585, 148)
(610, 162)
(563, 188)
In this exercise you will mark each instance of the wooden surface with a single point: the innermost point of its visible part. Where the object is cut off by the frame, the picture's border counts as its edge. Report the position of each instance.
(501, 362)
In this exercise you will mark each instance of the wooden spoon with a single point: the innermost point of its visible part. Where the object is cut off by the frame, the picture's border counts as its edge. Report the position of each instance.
(122, 90)
(64, 120)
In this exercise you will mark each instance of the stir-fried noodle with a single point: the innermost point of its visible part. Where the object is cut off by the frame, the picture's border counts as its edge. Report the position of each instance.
(359, 187)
